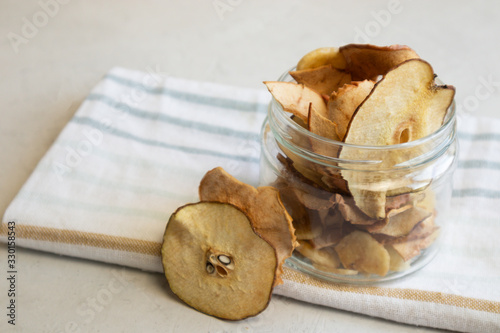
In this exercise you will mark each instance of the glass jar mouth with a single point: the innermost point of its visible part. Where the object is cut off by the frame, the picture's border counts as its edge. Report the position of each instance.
(431, 146)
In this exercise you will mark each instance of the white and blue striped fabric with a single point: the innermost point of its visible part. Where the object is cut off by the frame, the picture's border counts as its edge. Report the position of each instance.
(139, 145)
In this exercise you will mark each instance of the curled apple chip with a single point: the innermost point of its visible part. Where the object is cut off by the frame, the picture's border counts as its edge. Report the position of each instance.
(405, 105)
(322, 56)
(345, 101)
(318, 124)
(403, 223)
(262, 205)
(361, 252)
(324, 79)
(215, 262)
(365, 61)
(295, 98)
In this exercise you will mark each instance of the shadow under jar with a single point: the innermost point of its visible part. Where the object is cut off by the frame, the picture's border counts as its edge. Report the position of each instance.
(411, 182)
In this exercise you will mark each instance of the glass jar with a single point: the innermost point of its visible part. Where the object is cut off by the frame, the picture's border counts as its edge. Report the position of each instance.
(409, 184)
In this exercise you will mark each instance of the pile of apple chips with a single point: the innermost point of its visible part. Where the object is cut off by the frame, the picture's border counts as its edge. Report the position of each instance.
(360, 211)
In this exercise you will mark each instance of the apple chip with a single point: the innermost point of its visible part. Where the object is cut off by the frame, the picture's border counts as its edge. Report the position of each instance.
(402, 224)
(304, 227)
(416, 108)
(324, 79)
(361, 252)
(322, 126)
(352, 213)
(262, 205)
(397, 263)
(366, 61)
(412, 248)
(322, 56)
(324, 257)
(295, 98)
(215, 262)
(345, 101)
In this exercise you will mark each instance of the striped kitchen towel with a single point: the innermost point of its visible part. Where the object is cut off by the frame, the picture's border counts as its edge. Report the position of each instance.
(138, 146)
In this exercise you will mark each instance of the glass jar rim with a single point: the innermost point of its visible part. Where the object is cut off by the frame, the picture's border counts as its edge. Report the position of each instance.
(446, 126)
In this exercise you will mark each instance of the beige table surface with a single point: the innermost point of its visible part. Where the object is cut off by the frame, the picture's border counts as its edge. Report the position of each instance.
(53, 52)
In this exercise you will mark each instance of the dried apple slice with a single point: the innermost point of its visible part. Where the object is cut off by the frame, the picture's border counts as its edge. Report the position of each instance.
(361, 252)
(412, 248)
(397, 263)
(345, 101)
(324, 79)
(215, 262)
(322, 126)
(295, 98)
(405, 105)
(324, 257)
(322, 56)
(402, 224)
(365, 61)
(262, 205)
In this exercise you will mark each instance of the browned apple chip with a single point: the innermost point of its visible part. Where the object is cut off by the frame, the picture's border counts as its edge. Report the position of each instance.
(397, 201)
(209, 255)
(412, 248)
(345, 101)
(352, 213)
(361, 252)
(305, 227)
(322, 56)
(324, 79)
(295, 98)
(322, 126)
(331, 234)
(316, 200)
(416, 109)
(369, 61)
(262, 205)
(402, 224)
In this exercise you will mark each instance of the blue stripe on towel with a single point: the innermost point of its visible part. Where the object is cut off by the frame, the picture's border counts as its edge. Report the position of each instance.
(190, 150)
(479, 136)
(172, 120)
(225, 103)
(478, 164)
(476, 192)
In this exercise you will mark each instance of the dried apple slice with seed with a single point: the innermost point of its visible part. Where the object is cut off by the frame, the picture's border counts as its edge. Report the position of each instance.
(295, 98)
(345, 101)
(215, 262)
(405, 105)
(262, 205)
(324, 79)
(322, 56)
(365, 61)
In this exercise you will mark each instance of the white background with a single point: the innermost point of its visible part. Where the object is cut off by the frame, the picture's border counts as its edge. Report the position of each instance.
(46, 72)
